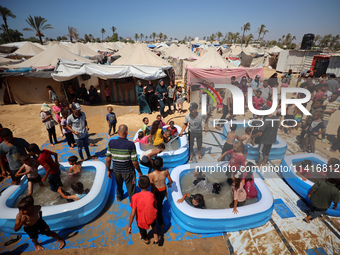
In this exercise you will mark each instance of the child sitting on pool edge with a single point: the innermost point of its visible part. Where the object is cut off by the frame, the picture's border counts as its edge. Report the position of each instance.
(30, 216)
(75, 169)
(78, 188)
(158, 186)
(239, 193)
(30, 168)
(145, 128)
(196, 201)
(143, 139)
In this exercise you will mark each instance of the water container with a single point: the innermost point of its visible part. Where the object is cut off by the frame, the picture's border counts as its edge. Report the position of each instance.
(307, 42)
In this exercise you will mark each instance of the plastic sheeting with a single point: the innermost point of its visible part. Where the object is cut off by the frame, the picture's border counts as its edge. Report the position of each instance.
(67, 70)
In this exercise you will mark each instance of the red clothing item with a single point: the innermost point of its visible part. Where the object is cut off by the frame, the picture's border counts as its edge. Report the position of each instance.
(144, 203)
(45, 158)
(319, 95)
(269, 103)
(257, 102)
(173, 131)
(236, 160)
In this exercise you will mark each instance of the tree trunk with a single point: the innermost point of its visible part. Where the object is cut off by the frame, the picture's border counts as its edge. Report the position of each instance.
(7, 31)
(41, 42)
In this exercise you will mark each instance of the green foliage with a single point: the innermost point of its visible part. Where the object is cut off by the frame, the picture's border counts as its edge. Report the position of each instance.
(14, 35)
(114, 38)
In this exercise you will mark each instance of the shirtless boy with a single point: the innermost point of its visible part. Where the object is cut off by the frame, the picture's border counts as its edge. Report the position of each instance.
(30, 216)
(158, 186)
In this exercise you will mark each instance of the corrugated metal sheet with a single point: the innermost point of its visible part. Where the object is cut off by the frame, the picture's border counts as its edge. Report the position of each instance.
(309, 56)
(334, 65)
(297, 60)
(281, 62)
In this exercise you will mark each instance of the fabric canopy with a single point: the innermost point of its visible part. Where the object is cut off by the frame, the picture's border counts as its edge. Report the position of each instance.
(82, 50)
(182, 52)
(28, 49)
(211, 59)
(68, 70)
(49, 58)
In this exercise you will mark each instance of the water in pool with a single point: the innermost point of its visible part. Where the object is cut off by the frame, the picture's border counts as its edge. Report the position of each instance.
(212, 201)
(45, 197)
(172, 146)
(314, 175)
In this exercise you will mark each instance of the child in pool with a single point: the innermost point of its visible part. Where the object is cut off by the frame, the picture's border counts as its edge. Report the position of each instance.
(248, 181)
(167, 136)
(156, 133)
(145, 127)
(202, 182)
(30, 169)
(172, 128)
(229, 144)
(239, 193)
(30, 216)
(158, 186)
(145, 158)
(160, 119)
(75, 169)
(303, 169)
(78, 188)
(143, 139)
(196, 201)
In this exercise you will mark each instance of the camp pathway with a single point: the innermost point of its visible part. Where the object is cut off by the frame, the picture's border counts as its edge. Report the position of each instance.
(285, 233)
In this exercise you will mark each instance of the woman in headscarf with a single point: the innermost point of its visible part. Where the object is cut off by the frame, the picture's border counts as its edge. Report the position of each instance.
(273, 80)
(162, 93)
(143, 104)
(150, 96)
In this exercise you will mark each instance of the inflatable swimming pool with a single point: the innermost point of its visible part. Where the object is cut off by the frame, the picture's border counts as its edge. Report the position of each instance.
(277, 151)
(171, 159)
(62, 216)
(296, 183)
(218, 220)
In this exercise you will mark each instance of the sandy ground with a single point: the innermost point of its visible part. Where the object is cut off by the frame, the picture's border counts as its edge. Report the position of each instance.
(25, 122)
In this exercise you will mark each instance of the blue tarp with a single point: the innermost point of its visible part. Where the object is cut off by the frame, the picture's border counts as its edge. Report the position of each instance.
(151, 46)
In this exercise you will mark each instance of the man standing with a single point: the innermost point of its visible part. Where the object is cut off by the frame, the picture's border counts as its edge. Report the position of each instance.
(332, 84)
(268, 133)
(12, 148)
(266, 91)
(331, 106)
(255, 84)
(194, 119)
(123, 154)
(77, 124)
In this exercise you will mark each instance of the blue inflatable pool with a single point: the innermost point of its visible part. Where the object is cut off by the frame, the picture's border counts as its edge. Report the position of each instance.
(172, 158)
(301, 187)
(61, 216)
(218, 220)
(277, 151)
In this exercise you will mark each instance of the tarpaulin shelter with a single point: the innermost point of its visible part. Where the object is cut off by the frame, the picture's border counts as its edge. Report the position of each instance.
(334, 65)
(28, 50)
(82, 50)
(297, 60)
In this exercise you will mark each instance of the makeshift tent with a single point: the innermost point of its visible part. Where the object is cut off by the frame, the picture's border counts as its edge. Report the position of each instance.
(211, 59)
(182, 52)
(334, 65)
(162, 45)
(28, 49)
(245, 59)
(97, 47)
(126, 50)
(235, 52)
(8, 61)
(274, 50)
(250, 50)
(297, 60)
(82, 50)
(49, 58)
(141, 55)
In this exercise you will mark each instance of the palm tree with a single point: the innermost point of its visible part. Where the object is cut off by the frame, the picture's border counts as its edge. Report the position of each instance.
(136, 37)
(37, 23)
(249, 38)
(72, 33)
(212, 37)
(317, 39)
(103, 31)
(91, 37)
(260, 30)
(165, 37)
(113, 28)
(141, 36)
(219, 35)
(246, 27)
(153, 36)
(146, 38)
(264, 33)
(333, 41)
(204, 37)
(230, 37)
(4, 12)
(236, 36)
(160, 36)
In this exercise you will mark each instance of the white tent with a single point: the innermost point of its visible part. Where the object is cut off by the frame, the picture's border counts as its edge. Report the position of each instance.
(182, 52)
(67, 70)
(250, 50)
(274, 50)
(235, 52)
(162, 45)
(28, 49)
(211, 59)
(141, 55)
(126, 50)
(8, 61)
(97, 47)
(49, 58)
(82, 50)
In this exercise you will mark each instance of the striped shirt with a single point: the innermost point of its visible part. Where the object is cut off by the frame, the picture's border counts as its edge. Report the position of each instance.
(330, 107)
(122, 152)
